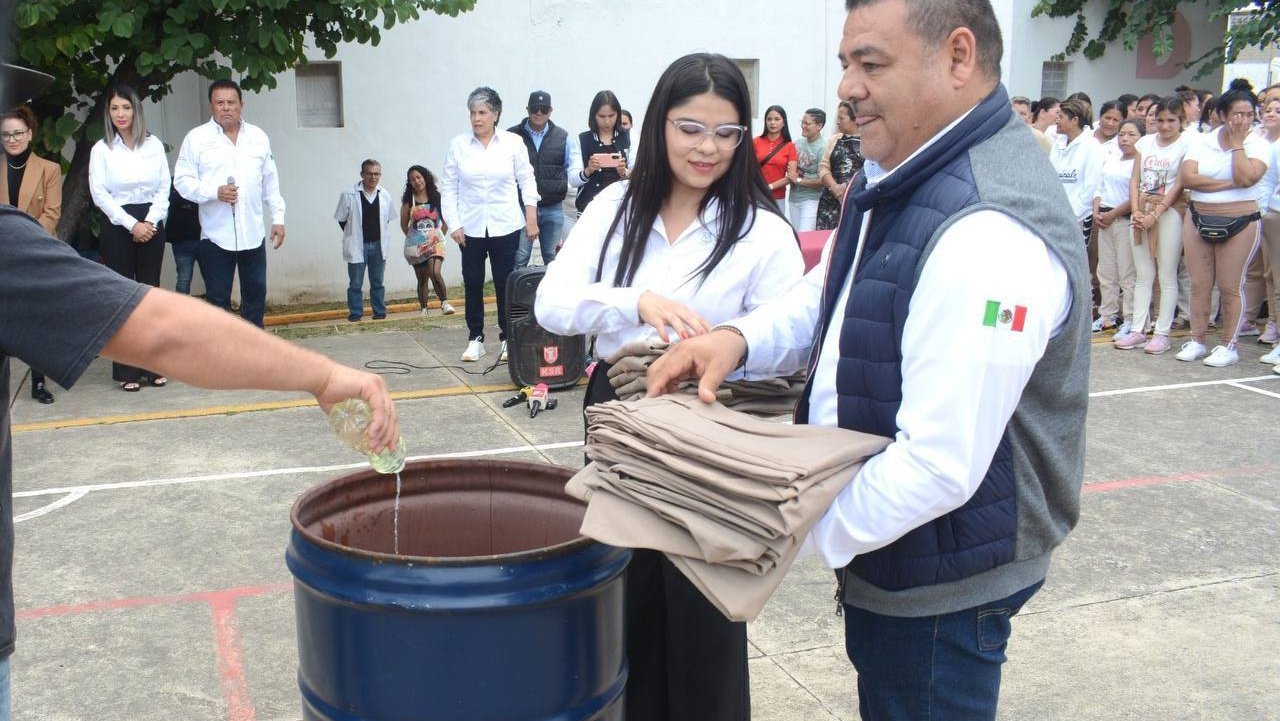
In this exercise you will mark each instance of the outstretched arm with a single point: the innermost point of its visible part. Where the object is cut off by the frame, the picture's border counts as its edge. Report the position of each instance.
(183, 338)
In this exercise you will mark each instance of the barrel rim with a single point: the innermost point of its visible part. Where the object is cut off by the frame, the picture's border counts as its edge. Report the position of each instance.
(531, 555)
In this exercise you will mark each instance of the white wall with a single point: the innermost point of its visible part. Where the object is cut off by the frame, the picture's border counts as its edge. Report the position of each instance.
(1029, 42)
(405, 99)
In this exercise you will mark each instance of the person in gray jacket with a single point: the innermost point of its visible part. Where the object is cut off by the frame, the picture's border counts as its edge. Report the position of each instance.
(364, 209)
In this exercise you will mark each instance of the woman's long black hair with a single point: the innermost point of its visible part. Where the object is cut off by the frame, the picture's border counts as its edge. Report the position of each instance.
(740, 193)
(433, 191)
(786, 124)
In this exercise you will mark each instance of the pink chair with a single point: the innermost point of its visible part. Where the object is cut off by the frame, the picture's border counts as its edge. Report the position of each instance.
(811, 243)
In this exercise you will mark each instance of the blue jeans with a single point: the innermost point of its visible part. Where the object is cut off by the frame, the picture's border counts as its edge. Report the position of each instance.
(6, 691)
(184, 257)
(218, 268)
(933, 667)
(376, 265)
(550, 226)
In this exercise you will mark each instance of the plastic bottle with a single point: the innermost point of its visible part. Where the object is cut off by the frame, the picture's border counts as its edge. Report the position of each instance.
(350, 419)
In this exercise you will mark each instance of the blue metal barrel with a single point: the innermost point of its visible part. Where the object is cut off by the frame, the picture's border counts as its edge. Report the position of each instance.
(495, 609)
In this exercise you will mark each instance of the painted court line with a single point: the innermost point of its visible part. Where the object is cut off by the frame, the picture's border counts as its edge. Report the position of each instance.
(1180, 386)
(1254, 389)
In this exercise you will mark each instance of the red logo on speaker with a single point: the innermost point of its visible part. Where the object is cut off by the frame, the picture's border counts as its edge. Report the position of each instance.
(550, 353)
(550, 371)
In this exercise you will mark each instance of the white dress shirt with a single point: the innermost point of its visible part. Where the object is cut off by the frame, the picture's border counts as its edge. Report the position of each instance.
(762, 265)
(961, 380)
(120, 175)
(207, 160)
(479, 182)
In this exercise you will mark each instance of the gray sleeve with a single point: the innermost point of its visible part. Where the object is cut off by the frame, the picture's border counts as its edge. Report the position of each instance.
(57, 310)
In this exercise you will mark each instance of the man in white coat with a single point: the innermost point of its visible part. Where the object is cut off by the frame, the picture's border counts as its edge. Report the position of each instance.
(364, 209)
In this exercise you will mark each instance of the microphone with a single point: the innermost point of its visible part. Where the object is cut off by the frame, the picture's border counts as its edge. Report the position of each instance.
(235, 224)
(537, 399)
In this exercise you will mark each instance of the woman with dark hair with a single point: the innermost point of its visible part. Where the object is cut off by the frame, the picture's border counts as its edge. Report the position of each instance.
(1044, 114)
(625, 121)
(1223, 173)
(1078, 160)
(1210, 118)
(1111, 212)
(1155, 201)
(806, 187)
(487, 176)
(840, 162)
(33, 185)
(1270, 207)
(129, 181)
(1109, 118)
(424, 234)
(605, 150)
(694, 239)
(776, 153)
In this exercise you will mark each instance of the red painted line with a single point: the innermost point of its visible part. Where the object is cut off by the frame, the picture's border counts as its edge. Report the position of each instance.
(235, 686)
(211, 597)
(1141, 481)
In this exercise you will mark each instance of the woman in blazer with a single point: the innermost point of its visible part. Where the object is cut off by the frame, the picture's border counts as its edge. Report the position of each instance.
(34, 186)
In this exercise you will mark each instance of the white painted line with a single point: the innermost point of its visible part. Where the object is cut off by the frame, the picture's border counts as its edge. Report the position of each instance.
(61, 502)
(83, 490)
(1180, 386)
(1244, 387)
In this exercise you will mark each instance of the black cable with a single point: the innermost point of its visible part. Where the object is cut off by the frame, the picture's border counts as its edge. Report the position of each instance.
(404, 368)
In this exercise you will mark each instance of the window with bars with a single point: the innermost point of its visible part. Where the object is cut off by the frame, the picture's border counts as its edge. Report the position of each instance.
(319, 87)
(1053, 79)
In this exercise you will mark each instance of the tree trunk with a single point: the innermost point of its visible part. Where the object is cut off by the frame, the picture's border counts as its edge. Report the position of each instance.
(76, 200)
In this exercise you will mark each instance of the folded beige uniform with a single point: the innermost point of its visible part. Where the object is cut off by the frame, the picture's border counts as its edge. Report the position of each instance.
(727, 496)
(628, 374)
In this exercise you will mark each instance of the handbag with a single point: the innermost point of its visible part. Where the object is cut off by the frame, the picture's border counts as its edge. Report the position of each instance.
(1215, 229)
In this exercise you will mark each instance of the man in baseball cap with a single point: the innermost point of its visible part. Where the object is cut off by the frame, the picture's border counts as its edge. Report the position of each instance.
(553, 158)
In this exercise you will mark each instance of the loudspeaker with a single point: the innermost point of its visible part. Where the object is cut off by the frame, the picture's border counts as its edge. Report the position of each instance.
(534, 354)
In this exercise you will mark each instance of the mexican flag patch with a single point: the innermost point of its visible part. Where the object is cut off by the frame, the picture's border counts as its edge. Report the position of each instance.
(1000, 315)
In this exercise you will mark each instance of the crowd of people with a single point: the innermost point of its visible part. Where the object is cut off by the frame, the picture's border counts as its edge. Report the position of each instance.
(1181, 189)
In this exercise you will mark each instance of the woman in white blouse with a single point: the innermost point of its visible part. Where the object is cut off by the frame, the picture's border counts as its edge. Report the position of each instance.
(1222, 173)
(479, 199)
(129, 182)
(694, 239)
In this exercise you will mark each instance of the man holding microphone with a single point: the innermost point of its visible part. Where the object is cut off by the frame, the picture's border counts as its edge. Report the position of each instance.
(219, 163)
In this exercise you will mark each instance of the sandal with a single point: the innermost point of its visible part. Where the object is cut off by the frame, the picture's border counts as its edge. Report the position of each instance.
(131, 387)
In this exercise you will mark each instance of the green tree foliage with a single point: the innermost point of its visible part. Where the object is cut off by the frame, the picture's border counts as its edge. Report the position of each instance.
(1128, 21)
(90, 45)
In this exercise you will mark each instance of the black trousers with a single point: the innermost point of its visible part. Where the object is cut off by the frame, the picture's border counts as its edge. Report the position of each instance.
(135, 261)
(501, 252)
(687, 662)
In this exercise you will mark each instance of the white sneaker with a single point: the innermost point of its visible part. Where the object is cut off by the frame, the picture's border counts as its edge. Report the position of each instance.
(503, 357)
(1221, 357)
(425, 312)
(475, 349)
(1191, 351)
(1272, 358)
(447, 309)
(1124, 329)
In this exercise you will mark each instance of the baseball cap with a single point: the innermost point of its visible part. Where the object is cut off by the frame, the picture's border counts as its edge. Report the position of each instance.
(539, 97)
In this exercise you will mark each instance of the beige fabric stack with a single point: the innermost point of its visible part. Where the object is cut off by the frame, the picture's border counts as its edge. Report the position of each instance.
(628, 374)
(728, 497)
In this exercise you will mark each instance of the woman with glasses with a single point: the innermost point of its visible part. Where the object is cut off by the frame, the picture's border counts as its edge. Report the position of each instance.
(486, 177)
(840, 162)
(129, 182)
(34, 186)
(694, 239)
(1223, 173)
(806, 187)
(606, 147)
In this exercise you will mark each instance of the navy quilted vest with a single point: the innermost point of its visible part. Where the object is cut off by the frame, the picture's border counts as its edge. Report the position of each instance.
(909, 206)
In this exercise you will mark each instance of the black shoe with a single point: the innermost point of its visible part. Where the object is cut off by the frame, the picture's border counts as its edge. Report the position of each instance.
(380, 317)
(40, 393)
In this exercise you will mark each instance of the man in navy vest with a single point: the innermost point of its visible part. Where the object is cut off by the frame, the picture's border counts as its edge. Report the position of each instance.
(951, 313)
(553, 157)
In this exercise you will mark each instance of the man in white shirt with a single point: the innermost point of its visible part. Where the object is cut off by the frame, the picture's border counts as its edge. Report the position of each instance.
(220, 163)
(364, 209)
(960, 228)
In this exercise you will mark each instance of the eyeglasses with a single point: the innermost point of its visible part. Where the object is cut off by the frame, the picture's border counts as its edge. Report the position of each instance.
(540, 110)
(726, 137)
(15, 135)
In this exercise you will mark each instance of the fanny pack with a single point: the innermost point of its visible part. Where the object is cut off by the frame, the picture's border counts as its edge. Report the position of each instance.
(1216, 229)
